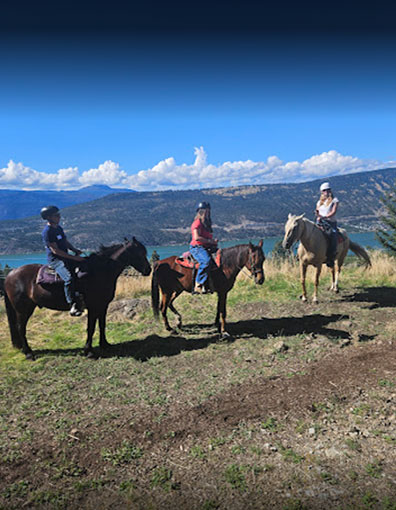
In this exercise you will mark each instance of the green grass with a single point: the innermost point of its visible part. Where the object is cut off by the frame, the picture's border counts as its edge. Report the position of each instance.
(105, 433)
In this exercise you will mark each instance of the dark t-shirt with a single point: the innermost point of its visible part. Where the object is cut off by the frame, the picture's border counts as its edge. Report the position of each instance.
(54, 235)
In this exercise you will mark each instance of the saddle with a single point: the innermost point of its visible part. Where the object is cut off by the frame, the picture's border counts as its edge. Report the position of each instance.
(187, 260)
(46, 275)
(327, 231)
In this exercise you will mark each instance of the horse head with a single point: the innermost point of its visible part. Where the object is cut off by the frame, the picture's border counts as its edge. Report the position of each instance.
(293, 229)
(255, 262)
(137, 256)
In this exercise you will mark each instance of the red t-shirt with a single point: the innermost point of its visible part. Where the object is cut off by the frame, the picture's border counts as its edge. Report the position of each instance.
(202, 232)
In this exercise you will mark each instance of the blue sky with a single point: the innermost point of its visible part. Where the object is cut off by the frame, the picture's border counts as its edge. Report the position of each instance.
(172, 109)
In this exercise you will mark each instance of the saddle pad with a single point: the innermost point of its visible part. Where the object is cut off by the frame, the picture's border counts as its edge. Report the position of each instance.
(47, 275)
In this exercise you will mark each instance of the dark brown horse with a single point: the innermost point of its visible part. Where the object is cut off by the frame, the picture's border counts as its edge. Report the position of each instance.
(23, 294)
(173, 278)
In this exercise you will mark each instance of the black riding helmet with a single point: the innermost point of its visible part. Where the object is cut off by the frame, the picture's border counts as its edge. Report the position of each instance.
(203, 205)
(48, 211)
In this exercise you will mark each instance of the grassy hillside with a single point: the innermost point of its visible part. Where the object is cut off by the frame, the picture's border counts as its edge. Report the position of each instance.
(163, 218)
(295, 411)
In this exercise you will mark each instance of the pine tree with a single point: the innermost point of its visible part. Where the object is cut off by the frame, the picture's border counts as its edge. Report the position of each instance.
(387, 236)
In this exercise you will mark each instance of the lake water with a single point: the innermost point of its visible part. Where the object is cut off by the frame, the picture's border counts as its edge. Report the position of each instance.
(365, 239)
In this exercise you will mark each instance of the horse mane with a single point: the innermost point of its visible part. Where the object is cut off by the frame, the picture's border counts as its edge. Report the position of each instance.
(101, 258)
(230, 256)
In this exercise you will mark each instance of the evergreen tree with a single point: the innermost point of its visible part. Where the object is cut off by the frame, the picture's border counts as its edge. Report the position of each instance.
(387, 236)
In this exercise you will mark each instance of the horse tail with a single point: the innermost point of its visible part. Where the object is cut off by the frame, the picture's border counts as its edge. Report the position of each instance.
(12, 322)
(360, 252)
(155, 295)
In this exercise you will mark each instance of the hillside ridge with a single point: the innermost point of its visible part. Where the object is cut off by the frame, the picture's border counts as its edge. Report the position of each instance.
(241, 212)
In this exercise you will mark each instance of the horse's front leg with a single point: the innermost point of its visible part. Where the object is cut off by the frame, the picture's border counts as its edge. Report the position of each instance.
(90, 332)
(316, 284)
(103, 343)
(303, 274)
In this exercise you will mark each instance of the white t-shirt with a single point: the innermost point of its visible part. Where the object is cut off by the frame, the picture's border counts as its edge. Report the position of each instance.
(325, 209)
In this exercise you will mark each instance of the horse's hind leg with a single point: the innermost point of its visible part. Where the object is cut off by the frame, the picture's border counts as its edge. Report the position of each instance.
(172, 307)
(22, 319)
(337, 270)
(164, 306)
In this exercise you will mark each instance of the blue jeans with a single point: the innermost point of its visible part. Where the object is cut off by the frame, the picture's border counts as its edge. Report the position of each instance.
(202, 256)
(62, 270)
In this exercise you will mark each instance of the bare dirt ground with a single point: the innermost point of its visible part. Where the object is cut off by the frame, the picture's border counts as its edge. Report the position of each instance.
(311, 424)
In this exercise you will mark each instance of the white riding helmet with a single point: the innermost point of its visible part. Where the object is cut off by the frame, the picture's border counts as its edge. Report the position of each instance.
(325, 186)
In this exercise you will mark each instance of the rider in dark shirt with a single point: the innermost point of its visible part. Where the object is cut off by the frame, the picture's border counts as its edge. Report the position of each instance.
(57, 247)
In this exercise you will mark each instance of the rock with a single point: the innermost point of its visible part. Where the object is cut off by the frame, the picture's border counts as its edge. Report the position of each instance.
(280, 347)
(311, 431)
(128, 308)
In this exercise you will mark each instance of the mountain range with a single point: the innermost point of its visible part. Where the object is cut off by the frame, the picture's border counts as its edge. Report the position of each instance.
(20, 204)
(164, 217)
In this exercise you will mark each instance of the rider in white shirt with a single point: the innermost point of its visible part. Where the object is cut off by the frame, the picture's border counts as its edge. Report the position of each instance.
(326, 216)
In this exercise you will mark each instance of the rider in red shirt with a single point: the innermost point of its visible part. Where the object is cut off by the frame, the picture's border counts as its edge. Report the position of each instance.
(201, 243)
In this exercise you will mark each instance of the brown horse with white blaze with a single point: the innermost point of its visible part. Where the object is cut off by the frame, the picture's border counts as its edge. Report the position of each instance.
(313, 250)
(173, 278)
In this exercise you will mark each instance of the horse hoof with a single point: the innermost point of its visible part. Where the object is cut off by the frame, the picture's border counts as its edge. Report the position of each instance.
(303, 299)
(315, 301)
(90, 355)
(30, 356)
(225, 336)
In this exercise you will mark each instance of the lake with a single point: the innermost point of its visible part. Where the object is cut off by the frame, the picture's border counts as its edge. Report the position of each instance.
(365, 239)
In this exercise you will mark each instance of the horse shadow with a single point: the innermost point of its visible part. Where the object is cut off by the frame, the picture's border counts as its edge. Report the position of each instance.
(166, 346)
(378, 297)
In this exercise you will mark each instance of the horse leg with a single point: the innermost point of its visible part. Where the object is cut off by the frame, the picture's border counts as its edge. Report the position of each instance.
(303, 274)
(172, 307)
(103, 343)
(221, 311)
(90, 332)
(339, 263)
(22, 319)
(316, 284)
(164, 306)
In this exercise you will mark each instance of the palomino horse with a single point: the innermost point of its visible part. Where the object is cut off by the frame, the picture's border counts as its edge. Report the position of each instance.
(23, 294)
(313, 248)
(173, 278)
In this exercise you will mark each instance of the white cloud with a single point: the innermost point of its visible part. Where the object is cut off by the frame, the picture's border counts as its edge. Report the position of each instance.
(167, 174)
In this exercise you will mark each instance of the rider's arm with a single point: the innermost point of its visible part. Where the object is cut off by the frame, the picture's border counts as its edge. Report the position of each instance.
(71, 247)
(54, 248)
(332, 211)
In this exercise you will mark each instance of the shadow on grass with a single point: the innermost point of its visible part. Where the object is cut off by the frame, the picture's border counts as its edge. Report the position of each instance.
(158, 346)
(379, 297)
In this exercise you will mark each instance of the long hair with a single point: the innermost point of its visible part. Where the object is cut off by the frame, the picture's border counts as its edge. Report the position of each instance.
(204, 218)
(326, 200)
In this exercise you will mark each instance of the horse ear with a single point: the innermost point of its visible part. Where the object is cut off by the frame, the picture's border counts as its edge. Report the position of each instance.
(289, 216)
(260, 244)
(302, 216)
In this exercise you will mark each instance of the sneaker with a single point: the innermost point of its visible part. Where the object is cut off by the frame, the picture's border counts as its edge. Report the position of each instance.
(198, 289)
(75, 311)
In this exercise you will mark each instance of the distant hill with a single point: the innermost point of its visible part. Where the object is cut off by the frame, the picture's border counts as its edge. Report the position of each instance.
(164, 218)
(16, 204)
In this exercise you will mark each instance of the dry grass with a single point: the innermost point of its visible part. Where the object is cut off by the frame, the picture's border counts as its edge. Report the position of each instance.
(383, 267)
